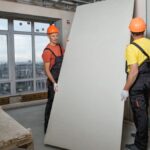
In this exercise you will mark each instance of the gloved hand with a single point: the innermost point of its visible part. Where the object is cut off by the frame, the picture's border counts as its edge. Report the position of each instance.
(124, 95)
(55, 87)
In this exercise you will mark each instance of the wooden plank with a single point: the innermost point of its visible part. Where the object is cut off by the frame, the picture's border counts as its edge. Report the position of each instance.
(12, 134)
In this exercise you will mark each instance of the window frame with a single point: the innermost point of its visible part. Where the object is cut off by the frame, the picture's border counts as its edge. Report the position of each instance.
(11, 52)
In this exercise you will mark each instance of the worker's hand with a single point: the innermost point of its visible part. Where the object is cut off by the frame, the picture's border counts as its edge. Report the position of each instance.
(55, 87)
(124, 95)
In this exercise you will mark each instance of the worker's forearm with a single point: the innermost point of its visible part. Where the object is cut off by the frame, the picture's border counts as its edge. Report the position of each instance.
(131, 79)
(49, 75)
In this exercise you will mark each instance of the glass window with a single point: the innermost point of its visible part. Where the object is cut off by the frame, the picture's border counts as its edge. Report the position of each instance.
(24, 86)
(24, 26)
(40, 43)
(41, 27)
(4, 89)
(3, 57)
(40, 85)
(24, 33)
(3, 24)
(23, 56)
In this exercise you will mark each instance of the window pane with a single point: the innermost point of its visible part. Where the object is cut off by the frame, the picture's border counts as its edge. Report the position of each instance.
(40, 85)
(4, 89)
(40, 44)
(41, 27)
(3, 24)
(23, 56)
(3, 57)
(24, 86)
(22, 26)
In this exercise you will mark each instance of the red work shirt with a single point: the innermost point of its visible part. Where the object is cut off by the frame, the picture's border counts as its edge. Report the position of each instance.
(47, 55)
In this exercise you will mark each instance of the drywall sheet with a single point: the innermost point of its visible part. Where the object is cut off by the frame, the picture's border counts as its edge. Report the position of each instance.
(87, 113)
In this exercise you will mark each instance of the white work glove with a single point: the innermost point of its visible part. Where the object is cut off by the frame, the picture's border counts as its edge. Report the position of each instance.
(55, 87)
(124, 95)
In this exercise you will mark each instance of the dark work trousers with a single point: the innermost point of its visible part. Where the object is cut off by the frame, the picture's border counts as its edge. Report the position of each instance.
(48, 108)
(139, 96)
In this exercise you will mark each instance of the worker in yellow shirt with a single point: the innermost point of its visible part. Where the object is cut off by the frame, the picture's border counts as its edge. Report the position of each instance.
(137, 86)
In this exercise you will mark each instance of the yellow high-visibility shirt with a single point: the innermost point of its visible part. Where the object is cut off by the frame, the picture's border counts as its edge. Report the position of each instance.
(133, 55)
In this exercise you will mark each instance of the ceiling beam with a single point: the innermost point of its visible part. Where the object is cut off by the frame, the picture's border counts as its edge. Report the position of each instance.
(81, 1)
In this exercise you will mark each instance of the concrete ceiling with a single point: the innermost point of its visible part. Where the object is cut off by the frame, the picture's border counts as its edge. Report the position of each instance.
(69, 5)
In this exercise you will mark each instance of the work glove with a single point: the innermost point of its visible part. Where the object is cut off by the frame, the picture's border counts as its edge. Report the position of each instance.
(55, 87)
(124, 95)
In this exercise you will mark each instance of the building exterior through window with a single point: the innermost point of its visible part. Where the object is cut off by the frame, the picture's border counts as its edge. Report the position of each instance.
(21, 67)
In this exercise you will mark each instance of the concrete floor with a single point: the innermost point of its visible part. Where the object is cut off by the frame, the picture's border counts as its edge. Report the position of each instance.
(33, 117)
(127, 139)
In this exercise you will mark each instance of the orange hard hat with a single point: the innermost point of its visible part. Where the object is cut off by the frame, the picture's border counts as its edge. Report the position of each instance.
(52, 29)
(137, 25)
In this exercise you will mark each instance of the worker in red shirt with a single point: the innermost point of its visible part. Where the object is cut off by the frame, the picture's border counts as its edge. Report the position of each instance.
(52, 58)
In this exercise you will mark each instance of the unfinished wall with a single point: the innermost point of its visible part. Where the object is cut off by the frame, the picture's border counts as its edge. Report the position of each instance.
(140, 9)
(32, 10)
(148, 18)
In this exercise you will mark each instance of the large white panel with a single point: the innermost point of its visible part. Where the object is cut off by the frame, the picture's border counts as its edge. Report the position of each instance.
(87, 112)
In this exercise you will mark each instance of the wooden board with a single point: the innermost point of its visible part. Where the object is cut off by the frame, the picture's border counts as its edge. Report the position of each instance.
(87, 112)
(13, 134)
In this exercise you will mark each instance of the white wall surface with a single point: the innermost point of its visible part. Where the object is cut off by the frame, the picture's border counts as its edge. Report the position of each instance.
(87, 112)
(13, 7)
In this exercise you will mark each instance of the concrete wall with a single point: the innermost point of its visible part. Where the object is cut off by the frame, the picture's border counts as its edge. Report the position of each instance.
(32, 10)
(140, 9)
(148, 18)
